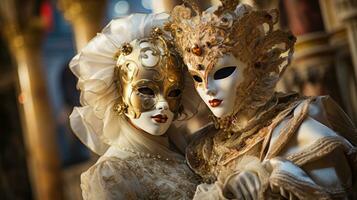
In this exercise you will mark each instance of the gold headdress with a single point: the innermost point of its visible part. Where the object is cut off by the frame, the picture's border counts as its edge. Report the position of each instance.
(247, 34)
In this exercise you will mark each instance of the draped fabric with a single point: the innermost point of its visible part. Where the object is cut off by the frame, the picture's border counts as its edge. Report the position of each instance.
(309, 151)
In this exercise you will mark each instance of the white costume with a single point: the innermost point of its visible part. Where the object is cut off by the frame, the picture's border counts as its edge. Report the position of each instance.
(126, 75)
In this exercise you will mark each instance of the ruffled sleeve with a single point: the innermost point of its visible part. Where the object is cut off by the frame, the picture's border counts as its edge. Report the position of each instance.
(323, 146)
(325, 110)
(110, 179)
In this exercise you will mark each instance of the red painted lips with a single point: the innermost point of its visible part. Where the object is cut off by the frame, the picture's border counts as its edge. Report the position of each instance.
(160, 118)
(215, 102)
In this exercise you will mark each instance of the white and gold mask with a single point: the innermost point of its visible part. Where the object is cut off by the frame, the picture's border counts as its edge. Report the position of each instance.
(234, 60)
(150, 80)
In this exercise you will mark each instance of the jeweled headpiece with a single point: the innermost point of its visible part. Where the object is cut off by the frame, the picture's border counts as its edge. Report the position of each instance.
(203, 37)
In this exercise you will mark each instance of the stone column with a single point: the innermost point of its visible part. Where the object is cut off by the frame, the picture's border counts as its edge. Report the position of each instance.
(347, 13)
(37, 118)
(86, 17)
(312, 71)
(339, 40)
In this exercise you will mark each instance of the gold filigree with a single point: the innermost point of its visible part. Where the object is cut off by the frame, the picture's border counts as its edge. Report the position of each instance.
(151, 63)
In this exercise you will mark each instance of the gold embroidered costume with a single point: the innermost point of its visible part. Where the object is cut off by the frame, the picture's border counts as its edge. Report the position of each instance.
(299, 147)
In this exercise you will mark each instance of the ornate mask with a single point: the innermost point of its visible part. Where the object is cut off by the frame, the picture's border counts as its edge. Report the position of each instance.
(233, 53)
(150, 79)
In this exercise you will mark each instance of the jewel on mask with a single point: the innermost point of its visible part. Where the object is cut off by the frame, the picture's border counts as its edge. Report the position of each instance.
(156, 31)
(200, 67)
(120, 108)
(126, 49)
(197, 50)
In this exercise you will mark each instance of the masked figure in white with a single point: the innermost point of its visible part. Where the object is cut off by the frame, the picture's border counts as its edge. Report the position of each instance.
(263, 144)
(132, 88)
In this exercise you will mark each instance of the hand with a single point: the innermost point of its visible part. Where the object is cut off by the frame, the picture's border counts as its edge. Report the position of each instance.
(245, 185)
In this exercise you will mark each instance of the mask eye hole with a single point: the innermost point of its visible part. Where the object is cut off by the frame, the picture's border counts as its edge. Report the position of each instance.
(197, 78)
(174, 93)
(146, 91)
(224, 72)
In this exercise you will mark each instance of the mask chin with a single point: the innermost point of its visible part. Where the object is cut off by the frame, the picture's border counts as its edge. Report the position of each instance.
(148, 124)
(221, 112)
(224, 110)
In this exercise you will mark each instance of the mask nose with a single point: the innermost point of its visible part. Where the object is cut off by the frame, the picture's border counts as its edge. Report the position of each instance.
(210, 88)
(162, 105)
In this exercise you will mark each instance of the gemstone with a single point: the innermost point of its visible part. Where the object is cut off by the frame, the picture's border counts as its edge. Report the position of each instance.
(200, 67)
(197, 50)
(126, 49)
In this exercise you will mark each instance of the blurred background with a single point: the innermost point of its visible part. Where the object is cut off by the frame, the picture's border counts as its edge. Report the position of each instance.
(40, 158)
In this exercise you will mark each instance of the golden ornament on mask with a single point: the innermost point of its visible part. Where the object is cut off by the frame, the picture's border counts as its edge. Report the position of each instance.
(197, 50)
(200, 67)
(120, 108)
(126, 49)
(156, 31)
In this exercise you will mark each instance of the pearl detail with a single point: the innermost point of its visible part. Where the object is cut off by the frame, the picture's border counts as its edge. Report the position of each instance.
(155, 157)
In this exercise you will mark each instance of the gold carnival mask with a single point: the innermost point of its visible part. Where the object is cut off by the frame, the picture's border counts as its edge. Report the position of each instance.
(202, 38)
(149, 70)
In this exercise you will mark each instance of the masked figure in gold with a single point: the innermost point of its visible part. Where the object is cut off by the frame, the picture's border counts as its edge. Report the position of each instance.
(132, 88)
(263, 144)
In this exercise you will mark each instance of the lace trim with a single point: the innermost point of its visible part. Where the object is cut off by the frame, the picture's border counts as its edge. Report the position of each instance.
(298, 187)
(319, 149)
